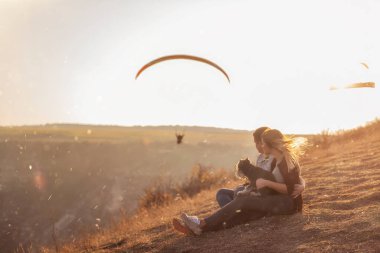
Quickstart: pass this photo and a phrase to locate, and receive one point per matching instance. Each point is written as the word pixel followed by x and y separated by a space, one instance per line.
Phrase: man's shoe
pixel 192 222
pixel 180 227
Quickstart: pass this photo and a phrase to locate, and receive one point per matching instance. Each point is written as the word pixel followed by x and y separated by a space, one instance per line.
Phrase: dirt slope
pixel 341 214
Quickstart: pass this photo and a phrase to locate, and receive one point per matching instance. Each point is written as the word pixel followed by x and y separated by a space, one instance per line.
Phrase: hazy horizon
pixel 180 127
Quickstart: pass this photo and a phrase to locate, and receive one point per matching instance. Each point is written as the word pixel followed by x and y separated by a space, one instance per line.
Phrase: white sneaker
pixel 194 219
pixel 180 227
pixel 192 222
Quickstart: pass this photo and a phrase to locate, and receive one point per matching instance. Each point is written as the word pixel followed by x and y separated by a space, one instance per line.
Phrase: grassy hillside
pixel 80 178
pixel 341 213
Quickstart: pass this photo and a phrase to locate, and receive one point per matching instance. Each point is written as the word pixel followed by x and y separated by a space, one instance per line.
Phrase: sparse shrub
pixel 326 138
pixel 369 128
pixel 162 192
pixel 323 140
pixel 201 178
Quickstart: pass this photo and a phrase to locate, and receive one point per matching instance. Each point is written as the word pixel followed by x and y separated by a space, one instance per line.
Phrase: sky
pixel 75 62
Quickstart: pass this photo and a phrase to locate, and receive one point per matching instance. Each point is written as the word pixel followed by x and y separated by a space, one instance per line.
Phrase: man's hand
pixel 261 183
pixel 298 189
pixel 245 191
pixel 242 193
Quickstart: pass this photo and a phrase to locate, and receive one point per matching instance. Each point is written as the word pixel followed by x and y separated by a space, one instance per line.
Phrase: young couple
pixel 278 155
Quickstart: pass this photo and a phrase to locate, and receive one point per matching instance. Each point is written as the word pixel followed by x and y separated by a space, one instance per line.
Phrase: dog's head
pixel 243 167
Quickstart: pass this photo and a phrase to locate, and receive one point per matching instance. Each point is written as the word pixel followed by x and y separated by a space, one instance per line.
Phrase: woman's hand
pixel 261 183
pixel 298 189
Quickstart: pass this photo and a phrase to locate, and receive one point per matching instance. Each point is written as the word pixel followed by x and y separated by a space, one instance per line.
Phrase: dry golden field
pixel 341 212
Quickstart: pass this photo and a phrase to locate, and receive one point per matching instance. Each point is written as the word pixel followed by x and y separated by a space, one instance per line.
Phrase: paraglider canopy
pixel 181 57
pixel 179 137
pixel 361 85
pixel 356 85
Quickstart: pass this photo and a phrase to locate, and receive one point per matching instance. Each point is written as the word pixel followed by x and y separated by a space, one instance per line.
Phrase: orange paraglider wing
pixel 181 56
pixel 361 85
pixel 355 86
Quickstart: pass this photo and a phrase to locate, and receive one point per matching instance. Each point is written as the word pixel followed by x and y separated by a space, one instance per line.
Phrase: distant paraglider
pixel 182 57
pixel 356 85
pixel 179 137
pixel 361 85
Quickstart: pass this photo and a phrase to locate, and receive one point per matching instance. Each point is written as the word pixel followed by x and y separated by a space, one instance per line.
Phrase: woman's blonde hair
pixel 291 148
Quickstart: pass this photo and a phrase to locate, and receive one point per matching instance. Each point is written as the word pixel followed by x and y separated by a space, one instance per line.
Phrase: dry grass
pixel 48 177
pixel 164 191
pixel 341 214
pixel 327 137
pixel 144 227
